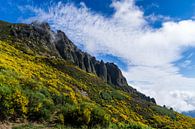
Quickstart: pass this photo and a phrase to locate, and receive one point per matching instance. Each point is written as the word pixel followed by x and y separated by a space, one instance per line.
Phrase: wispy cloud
pixel 149 52
pixel 186 63
pixel 154 18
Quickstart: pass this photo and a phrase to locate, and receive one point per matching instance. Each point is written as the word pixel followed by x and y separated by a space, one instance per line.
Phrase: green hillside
pixel 51 91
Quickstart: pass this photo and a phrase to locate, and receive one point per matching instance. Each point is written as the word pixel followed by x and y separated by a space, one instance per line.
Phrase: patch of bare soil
pixel 5 125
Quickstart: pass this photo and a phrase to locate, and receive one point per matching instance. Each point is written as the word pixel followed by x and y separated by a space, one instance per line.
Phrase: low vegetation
pixel 49 90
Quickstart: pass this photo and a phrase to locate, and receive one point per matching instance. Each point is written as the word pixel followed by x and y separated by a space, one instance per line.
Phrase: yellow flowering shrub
pixel 52 90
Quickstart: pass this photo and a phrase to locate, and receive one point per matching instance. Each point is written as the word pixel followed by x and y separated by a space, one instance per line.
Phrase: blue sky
pixel 152 41
pixel 178 9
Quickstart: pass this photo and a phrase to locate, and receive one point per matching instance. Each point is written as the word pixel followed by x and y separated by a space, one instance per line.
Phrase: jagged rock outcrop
pixel 107 71
pixel 39 39
pixel 115 75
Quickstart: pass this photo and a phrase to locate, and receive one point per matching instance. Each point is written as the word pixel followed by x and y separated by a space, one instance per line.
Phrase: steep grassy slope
pixel 49 89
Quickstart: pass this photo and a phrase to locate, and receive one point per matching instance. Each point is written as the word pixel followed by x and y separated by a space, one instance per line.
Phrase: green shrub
pixel 134 127
pixel 13 103
pixel 111 95
pixel 61 99
pixel 117 95
pixel 164 111
pixel 106 95
pixel 6 108
pixel 71 115
pixel 40 107
pixel 99 117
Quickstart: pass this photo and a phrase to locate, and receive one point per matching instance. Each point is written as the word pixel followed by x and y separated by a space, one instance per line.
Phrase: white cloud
pixel 149 52
pixel 154 18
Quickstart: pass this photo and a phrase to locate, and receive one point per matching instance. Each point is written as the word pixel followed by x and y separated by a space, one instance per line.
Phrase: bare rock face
pixel 115 75
pixel 107 71
pixel 38 38
pixel 101 70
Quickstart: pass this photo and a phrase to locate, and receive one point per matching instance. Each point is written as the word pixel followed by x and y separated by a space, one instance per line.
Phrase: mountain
pixel 58 45
pixel 189 113
pixel 46 79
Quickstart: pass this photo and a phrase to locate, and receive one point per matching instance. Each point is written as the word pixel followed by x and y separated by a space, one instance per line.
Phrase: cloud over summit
pixel 150 52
